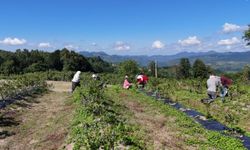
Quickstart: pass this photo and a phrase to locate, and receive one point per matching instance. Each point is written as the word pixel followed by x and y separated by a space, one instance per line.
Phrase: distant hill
pixel 227 61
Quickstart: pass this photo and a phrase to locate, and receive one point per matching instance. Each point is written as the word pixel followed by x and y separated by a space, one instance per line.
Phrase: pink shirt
pixel 126 84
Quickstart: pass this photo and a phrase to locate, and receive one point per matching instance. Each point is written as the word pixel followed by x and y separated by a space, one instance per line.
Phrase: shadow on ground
pixel 9 110
pixel 7 122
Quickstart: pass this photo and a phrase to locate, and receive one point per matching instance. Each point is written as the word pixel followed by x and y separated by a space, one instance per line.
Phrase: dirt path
pixel 38 123
pixel 154 124
pixel 159 128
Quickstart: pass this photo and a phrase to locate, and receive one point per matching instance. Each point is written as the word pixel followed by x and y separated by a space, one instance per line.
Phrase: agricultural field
pixel 136 121
pixel 124 75
pixel 234 112
pixel 109 117
pixel 21 85
pixel 35 113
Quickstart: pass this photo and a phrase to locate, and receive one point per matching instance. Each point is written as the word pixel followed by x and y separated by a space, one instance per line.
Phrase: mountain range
pixel 225 61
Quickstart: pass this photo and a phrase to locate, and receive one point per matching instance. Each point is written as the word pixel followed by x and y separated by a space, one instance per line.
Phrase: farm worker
pixel 95 77
pixel 126 83
pixel 76 80
pixel 212 84
pixel 225 82
pixel 145 79
pixel 142 79
pixel 139 79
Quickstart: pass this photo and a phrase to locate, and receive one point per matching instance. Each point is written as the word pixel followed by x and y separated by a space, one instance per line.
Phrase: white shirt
pixel 76 77
pixel 212 83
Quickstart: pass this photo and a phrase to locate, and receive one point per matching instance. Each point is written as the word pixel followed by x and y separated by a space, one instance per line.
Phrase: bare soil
pixel 157 126
pixel 38 122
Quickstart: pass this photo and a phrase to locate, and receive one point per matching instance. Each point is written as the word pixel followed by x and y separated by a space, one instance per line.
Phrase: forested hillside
pixel 23 61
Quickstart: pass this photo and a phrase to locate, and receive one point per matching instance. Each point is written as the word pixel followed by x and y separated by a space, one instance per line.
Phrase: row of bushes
pixel 188 131
pixel 22 84
pixel 234 111
pixel 97 122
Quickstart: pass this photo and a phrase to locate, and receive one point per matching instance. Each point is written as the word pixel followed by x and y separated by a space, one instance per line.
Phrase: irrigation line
pixel 200 118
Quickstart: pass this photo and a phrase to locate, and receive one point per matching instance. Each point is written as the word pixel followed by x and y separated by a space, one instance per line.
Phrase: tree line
pixel 182 70
pixel 24 61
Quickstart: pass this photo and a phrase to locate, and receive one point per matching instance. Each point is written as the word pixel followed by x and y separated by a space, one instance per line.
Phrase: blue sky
pixel 125 27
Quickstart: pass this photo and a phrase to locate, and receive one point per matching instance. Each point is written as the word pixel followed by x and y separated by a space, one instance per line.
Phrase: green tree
pixel 163 72
pixel 184 68
pixel 54 61
pixel 144 70
pixel 247 35
pixel 36 67
pixel 23 57
pixel 211 70
pixel 129 67
pixel 8 67
pixel 9 63
pixel 199 69
pixel 23 61
pixel 73 61
pixel 27 60
pixel 151 68
pixel 1 60
pixel 246 73
pixel 99 65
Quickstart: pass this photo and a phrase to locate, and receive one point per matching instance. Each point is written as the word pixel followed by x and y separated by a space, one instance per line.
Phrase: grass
pixel 185 133
pixel 98 124
pixel 41 122
pixel 234 112
pixel 219 110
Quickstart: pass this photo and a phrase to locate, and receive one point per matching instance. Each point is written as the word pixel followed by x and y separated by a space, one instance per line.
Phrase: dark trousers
pixel 74 85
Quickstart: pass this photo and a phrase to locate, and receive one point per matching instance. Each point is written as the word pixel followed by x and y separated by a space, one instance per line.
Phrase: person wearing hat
pixel 126 83
pixel 142 80
pixel 225 82
pixel 95 77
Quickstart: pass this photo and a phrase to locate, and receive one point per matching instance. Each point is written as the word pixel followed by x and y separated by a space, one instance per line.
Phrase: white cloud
pixel 13 41
pixel 192 40
pixel 44 45
pixel 93 44
pixel 120 46
pixel 71 47
pixel 158 45
pixel 232 41
pixel 228 28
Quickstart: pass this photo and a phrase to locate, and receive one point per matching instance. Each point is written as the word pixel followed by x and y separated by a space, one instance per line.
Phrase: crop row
pixel 234 112
pixel 97 123
pixel 21 85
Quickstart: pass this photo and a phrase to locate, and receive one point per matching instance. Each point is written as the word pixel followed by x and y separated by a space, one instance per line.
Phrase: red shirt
pixel 145 78
pixel 225 81
pixel 142 79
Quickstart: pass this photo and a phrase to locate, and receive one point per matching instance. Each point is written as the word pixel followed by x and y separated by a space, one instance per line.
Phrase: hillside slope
pixel 227 61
